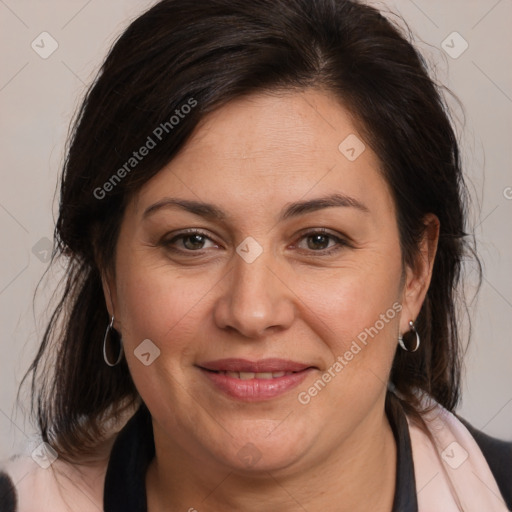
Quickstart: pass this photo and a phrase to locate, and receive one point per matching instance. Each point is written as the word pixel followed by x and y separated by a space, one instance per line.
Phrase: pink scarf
pixel 452 474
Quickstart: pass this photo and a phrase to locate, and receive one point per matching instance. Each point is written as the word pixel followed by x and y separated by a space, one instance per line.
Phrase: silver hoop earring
pixel 110 329
pixel 408 335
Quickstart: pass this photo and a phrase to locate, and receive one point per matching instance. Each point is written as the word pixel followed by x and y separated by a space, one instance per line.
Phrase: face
pixel 263 265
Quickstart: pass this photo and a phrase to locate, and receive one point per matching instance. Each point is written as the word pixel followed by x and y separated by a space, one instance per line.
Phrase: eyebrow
pixel 210 211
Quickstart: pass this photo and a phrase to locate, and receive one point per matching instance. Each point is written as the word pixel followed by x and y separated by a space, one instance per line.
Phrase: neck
pixel 358 475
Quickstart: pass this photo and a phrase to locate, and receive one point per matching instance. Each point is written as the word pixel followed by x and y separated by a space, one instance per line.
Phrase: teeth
pixel 255 375
pixel 263 375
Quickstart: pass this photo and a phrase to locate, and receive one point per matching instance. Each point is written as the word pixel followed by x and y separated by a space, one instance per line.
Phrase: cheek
pixel 350 301
pixel 359 325
pixel 157 304
pixel 357 314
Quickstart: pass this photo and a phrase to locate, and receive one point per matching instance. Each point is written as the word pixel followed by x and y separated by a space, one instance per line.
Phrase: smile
pixel 253 381
pixel 252 375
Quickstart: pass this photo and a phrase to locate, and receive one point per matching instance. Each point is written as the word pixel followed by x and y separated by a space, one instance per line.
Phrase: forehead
pixel 272 147
pixel 275 126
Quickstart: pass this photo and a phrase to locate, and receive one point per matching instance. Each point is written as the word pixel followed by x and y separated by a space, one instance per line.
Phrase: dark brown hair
pixel 212 51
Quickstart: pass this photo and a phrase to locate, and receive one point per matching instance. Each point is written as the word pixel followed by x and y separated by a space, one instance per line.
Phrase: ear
pixel 417 279
pixel 108 286
pixel 108 282
pixel 109 291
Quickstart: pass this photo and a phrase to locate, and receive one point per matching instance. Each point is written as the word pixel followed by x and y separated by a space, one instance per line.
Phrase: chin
pixel 263 453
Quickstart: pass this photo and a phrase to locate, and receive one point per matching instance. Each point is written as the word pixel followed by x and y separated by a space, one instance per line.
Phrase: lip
pixel 255 389
pixel 263 365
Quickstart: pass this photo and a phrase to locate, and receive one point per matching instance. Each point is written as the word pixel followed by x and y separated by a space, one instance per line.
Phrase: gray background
pixel 38 97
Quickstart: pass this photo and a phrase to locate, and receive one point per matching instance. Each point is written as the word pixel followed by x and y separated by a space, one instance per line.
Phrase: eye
pixel 321 241
pixel 318 241
pixel 190 241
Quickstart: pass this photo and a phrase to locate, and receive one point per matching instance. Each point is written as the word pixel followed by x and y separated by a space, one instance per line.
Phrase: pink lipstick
pixel 254 381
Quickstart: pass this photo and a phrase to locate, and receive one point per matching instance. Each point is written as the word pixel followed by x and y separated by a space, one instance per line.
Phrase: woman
pixel 263 212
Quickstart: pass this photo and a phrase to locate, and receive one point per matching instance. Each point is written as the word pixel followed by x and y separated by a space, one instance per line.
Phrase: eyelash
pixel 341 242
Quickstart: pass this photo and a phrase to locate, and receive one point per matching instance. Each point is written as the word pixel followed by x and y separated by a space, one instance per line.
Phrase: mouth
pixel 253 375
pixel 265 366
pixel 253 381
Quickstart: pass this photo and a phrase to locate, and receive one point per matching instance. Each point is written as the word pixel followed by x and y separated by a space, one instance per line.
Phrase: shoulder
pixel 27 486
pixel 473 468
pixel 498 454
pixel 39 480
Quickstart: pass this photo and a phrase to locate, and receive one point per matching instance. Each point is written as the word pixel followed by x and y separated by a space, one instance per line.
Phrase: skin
pixel 252 158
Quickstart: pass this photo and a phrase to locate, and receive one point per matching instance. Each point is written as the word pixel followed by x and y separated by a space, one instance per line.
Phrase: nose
pixel 256 298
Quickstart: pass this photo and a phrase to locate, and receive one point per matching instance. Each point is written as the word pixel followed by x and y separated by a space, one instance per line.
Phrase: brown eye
pixel 190 241
pixel 321 242
pixel 193 242
pixel 318 241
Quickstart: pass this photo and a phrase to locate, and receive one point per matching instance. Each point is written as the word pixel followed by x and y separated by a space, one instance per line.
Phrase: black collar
pixel 134 448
